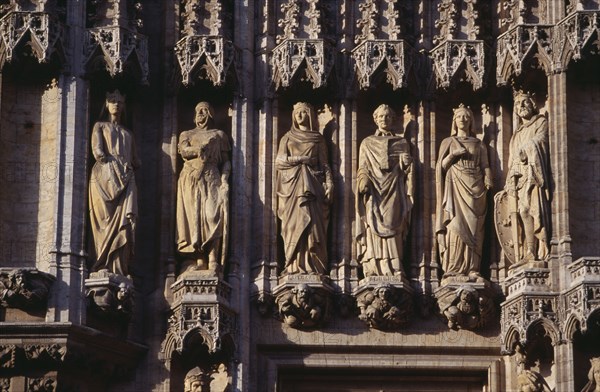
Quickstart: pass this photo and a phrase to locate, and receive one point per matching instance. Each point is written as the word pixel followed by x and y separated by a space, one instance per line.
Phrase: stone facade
pixel 276 287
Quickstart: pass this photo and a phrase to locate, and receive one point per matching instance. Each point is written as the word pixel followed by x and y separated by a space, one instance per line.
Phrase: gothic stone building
pixel 148 243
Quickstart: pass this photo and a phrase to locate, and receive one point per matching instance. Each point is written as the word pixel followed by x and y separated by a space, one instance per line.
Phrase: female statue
pixel 304 191
pixel 463 178
pixel 384 197
pixel 203 192
pixel 112 192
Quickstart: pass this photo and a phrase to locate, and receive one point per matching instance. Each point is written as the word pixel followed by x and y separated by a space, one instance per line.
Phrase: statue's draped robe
pixel 533 175
pixel 384 210
pixel 113 197
pixel 302 204
pixel 461 205
pixel 202 206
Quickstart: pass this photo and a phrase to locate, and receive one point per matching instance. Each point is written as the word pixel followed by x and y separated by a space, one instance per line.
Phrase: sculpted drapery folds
pixel 384 197
pixel 112 190
pixel 203 192
pixel 524 205
pixel 304 191
pixel 463 178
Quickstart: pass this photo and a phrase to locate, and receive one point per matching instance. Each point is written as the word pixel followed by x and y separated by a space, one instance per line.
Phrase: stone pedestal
pixel 467 305
pixel 385 302
pixel 303 301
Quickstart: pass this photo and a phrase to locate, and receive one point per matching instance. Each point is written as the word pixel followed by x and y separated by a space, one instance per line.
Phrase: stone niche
pixel 28 167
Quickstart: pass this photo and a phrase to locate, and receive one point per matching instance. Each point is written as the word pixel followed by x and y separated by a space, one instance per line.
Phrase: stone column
pixel 69 261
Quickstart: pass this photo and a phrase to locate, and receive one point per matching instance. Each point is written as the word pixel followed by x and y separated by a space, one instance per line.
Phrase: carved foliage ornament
pixel 41 32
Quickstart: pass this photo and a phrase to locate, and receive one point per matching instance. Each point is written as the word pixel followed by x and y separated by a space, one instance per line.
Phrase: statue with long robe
pixel 384 197
pixel 203 193
pixel 463 178
pixel 524 205
pixel 304 191
pixel 112 191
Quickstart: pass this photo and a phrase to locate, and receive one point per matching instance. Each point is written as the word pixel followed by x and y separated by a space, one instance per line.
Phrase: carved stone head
pixel 204 115
pixel 463 119
pixel 193 380
pixel 525 106
pixel 304 114
pixel 384 116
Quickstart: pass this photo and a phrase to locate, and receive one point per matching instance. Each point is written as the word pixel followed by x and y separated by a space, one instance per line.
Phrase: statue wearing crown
pixel 463 178
pixel 522 209
pixel 112 190
pixel 304 192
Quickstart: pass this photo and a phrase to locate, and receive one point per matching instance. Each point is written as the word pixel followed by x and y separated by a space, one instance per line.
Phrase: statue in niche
pixel 384 197
pixel 593 384
pixel 463 178
pixel 468 310
pixel 301 307
pixel 304 193
pixel 528 379
pixel 113 192
pixel 203 193
pixel 523 208
pixel 383 308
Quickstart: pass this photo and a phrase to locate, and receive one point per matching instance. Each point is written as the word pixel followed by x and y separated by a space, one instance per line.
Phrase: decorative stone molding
pixel 583 297
pixel 395 57
pixel 24 288
pixel 521 45
pixel 468 305
pixel 576 33
pixel 4 384
pixel 40 32
pixel 290 21
pixel 385 302
pixel 211 55
pixel 303 301
pixel 42 384
pixel 449 20
pixel 110 295
pixel 201 310
pixel 313 56
pixel 459 60
pixel 113 43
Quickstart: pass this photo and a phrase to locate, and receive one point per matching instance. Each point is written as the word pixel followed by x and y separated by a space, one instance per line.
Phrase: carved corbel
pixel 24 288
pixel 303 301
pixel 385 302
pixel 468 305
pixel 201 316
pixel 39 30
pixel 110 295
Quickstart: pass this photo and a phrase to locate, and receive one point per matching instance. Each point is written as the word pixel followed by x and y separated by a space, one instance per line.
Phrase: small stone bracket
pixel 201 313
pixel 40 31
pixel 467 305
pixel 303 301
pixel 385 302
pixel 110 295
pixel 394 57
pixel 115 48
pixel 292 56
pixel 457 60
pixel 24 288
pixel 208 57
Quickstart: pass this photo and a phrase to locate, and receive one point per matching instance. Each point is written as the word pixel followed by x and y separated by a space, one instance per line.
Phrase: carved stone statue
pixel 113 192
pixel 523 209
pixel 203 192
pixel 301 307
pixel 463 178
pixel 468 310
pixel 304 191
pixel 384 197
pixel 20 289
pixel 194 380
pixel 593 384
pixel 383 308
